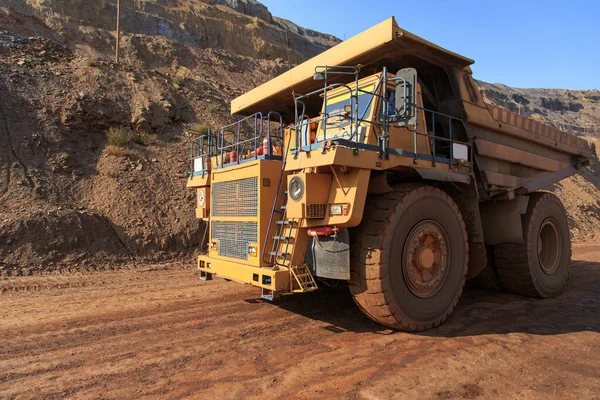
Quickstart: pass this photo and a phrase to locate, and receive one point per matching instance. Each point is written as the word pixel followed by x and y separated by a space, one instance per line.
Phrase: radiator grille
pixel 234 237
pixel 235 198
pixel 316 211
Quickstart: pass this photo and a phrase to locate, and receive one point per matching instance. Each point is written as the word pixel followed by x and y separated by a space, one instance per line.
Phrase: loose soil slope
pixel 67 199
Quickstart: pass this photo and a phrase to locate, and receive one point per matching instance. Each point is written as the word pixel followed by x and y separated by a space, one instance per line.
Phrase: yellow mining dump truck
pixel 377 163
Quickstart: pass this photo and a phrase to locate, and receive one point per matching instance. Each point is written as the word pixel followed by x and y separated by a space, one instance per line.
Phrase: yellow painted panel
pixel 316 189
pixel 198 181
pixel 366 159
pixel 245 273
pixel 241 171
pixel 349 188
pixel 202 213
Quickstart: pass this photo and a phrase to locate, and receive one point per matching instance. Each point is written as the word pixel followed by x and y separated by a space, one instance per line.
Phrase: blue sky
pixel 541 44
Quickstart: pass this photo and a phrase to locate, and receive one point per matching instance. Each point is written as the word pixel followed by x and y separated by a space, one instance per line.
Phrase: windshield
pixel 338 118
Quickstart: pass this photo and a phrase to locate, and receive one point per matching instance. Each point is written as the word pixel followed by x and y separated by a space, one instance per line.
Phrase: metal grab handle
pixel 203 147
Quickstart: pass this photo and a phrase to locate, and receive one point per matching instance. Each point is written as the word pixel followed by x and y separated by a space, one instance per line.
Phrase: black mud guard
pixel 501 220
pixel 329 256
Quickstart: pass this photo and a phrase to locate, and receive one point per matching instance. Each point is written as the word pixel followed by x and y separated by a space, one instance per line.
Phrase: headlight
pixel 201 197
pixel 296 188
pixel 335 209
pixel 339 209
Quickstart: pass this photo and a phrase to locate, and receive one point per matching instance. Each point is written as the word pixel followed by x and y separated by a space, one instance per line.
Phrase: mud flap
pixel 329 257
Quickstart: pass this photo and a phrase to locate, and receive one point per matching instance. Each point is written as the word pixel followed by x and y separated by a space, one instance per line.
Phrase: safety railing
pixel 447 120
pixel 256 136
pixel 352 115
pixel 407 111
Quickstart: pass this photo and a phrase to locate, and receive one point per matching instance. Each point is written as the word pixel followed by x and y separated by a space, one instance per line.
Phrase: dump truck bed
pixel 382 45
pixel 514 152
pixel 511 152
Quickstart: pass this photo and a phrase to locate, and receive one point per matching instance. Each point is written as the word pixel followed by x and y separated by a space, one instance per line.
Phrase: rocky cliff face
pixel 244 27
pixel 574 111
pixel 248 7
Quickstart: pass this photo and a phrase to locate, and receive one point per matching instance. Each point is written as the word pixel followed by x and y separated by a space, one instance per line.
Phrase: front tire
pixel 409 258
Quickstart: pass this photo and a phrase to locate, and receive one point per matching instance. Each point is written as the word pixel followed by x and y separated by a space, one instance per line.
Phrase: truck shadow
pixel 479 312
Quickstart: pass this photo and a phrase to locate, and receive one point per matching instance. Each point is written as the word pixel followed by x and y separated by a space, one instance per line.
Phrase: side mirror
pixel 406 97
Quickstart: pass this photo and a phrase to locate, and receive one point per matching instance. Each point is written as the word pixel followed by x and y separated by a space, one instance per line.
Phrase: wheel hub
pixel 426 259
pixel 549 248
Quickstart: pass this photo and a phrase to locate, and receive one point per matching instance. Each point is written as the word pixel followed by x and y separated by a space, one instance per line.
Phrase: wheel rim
pixel 425 264
pixel 549 249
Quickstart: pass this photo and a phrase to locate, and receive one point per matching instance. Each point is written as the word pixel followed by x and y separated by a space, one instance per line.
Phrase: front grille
pixel 235 198
pixel 234 237
pixel 316 211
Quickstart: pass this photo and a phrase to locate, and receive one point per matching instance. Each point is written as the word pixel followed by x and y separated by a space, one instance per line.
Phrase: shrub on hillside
pixel 178 80
pixel 119 137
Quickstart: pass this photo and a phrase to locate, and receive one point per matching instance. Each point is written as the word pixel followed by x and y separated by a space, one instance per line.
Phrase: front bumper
pixel 266 278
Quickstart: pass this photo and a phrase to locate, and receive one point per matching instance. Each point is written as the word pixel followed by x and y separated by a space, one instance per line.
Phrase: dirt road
pixel 159 332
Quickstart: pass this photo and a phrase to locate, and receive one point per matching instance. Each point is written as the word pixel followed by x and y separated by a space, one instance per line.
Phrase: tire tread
pixel 513 261
pixel 370 289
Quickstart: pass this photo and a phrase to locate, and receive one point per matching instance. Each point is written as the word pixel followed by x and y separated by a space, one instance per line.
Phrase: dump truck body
pixel 388 45
pixel 386 124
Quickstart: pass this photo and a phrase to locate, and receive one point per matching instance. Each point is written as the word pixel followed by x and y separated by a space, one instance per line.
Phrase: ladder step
pixel 283 207
pixel 269 295
pixel 278 254
pixel 282 237
pixel 284 222
pixel 304 279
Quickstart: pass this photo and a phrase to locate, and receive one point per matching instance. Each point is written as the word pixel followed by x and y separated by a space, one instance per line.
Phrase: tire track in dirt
pixel 162 333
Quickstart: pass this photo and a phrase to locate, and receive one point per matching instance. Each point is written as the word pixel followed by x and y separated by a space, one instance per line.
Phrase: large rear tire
pixel 409 258
pixel 540 266
pixel 488 277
